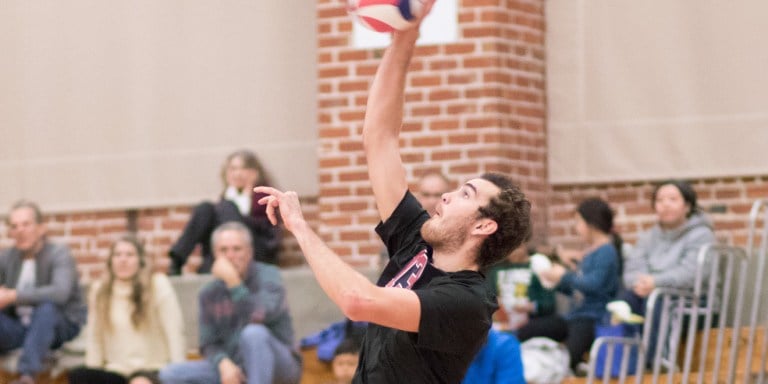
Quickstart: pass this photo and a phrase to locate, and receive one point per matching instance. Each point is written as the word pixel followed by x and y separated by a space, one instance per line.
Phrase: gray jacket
pixel 56 280
pixel 669 255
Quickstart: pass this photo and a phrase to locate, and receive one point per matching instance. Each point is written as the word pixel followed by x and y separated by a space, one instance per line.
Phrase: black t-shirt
pixel 456 311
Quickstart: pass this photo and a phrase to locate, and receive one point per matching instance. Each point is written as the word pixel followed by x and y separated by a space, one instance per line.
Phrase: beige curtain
pixel 108 104
pixel 643 90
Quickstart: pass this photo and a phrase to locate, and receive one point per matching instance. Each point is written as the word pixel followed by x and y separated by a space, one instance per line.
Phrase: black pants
pixel 85 375
pixel 553 327
pixel 581 335
pixel 205 218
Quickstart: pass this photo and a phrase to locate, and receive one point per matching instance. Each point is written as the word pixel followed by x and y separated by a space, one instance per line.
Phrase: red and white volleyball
pixel 385 15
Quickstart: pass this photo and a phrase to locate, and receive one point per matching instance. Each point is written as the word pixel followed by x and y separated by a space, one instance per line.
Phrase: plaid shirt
pixel 224 312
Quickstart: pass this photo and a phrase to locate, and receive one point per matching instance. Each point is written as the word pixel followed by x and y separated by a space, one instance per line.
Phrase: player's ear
pixel 484 227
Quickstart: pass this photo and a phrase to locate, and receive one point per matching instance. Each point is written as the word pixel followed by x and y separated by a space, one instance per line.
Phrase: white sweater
pixel 125 349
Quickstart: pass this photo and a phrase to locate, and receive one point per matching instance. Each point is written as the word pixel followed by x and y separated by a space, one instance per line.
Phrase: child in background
pixel 345 360
pixel 520 293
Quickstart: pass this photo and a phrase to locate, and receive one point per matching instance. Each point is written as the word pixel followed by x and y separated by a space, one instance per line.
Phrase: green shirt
pixel 510 279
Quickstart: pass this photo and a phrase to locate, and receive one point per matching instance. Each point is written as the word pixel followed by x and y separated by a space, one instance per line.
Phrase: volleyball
pixel 385 15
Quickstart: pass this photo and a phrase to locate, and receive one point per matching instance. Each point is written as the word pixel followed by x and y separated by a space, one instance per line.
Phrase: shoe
pixel 582 369
pixel 174 268
pixel 24 379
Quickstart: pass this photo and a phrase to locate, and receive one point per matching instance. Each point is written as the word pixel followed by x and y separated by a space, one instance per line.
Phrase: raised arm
pixel 383 119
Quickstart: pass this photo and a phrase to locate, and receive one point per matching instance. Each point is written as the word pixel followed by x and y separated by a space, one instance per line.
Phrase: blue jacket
pixel 499 362
pixel 598 281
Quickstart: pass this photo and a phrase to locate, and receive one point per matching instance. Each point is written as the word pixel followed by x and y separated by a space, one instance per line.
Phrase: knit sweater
pixel 124 348
pixel 224 312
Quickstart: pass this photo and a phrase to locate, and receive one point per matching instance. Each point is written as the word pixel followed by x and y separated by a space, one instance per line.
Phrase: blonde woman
pixel 135 326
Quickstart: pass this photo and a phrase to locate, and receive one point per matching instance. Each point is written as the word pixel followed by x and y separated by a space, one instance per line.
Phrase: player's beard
pixel 445 236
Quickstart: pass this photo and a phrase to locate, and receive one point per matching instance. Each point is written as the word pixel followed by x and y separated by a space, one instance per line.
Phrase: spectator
pixel 499 362
pixel 135 326
pixel 596 278
pixel 40 299
pixel 521 295
pixel 241 172
pixel 245 328
pixel 345 360
pixel 432 185
pixel 665 255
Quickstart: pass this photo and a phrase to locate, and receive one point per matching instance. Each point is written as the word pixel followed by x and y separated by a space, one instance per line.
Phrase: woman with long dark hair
pixel 135 326
pixel 596 278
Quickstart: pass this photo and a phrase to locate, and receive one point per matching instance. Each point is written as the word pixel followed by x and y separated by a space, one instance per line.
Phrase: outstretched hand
pixel 288 204
pixel 426 7
pixel 416 23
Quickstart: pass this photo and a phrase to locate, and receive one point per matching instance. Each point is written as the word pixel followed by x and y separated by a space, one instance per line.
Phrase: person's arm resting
pixel 62 282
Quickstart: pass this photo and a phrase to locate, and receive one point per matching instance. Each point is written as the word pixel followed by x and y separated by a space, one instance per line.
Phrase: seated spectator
pixel 665 255
pixel 246 333
pixel 432 185
pixel 345 360
pixel 135 326
pixel 520 293
pixel 41 305
pixel 241 172
pixel 596 278
pixel 498 362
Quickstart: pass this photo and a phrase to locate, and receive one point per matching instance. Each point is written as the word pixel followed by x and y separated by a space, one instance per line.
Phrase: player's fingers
pixel 268 190
pixel 271 204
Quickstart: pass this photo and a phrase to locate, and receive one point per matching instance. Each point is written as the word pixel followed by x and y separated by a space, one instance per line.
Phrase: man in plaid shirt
pixel 246 334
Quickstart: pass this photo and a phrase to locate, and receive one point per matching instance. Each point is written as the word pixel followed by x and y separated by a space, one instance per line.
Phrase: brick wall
pixel 472 106
pixel 727 202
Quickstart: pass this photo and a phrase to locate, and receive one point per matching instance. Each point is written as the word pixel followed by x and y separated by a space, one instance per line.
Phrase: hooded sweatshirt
pixel 669 255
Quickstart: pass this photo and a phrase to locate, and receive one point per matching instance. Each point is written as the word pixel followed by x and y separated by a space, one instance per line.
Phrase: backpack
pixel 545 361
pixel 329 338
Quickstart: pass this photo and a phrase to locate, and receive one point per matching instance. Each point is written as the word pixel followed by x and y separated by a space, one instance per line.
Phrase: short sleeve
pixel 403 228
pixel 454 318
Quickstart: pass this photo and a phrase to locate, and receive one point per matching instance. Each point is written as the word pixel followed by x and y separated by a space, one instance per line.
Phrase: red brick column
pixel 472 106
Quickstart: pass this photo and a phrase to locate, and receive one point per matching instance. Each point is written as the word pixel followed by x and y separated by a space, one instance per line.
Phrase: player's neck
pixel 454 261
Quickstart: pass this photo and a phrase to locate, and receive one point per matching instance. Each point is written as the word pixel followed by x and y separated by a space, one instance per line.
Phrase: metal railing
pixel 722 272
